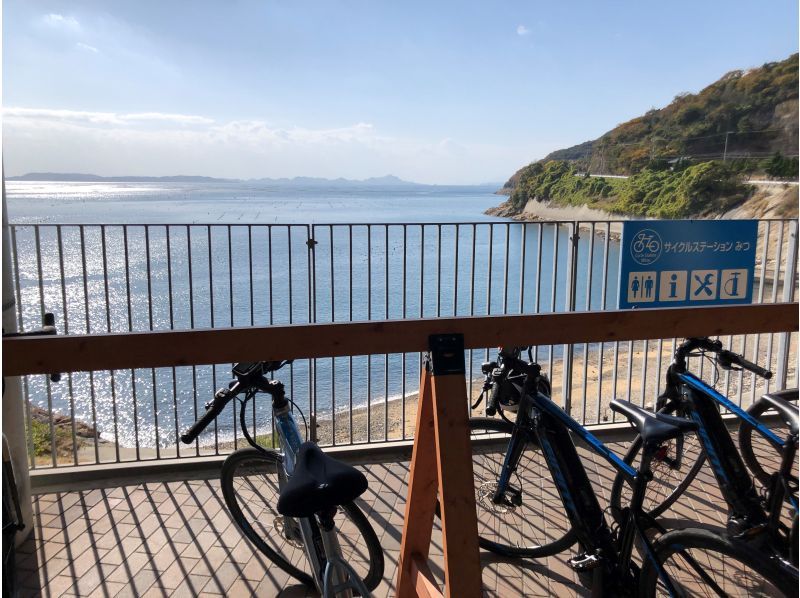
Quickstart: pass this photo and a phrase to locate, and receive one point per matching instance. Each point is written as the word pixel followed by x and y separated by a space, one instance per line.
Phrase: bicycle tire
pixel 746 443
pixel 694 458
pixel 555 533
pixel 263 518
pixel 721 555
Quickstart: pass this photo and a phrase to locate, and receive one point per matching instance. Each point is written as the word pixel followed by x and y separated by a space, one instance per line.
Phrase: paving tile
pixel 176 539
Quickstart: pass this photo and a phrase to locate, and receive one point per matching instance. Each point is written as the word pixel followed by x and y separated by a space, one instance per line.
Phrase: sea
pixel 114 257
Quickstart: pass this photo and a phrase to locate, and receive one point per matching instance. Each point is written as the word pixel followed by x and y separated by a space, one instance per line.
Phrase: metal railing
pixel 116 278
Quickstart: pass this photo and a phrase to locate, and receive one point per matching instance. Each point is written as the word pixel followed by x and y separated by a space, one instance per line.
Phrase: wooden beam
pixel 425 585
pixel 423 484
pixel 41 355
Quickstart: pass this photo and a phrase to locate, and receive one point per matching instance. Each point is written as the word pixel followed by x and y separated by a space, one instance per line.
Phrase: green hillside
pixel 686 158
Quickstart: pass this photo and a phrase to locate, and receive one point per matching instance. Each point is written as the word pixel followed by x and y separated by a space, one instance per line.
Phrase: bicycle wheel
pixel 668 482
pixel 251 482
pixel 760 456
pixel 702 563
pixel 538 526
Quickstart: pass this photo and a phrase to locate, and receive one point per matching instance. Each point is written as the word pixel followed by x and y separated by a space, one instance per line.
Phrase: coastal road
pixel 751 181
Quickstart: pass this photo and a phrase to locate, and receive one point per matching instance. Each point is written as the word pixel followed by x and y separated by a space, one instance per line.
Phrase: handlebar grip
pixel 755 368
pixel 494 399
pixel 221 399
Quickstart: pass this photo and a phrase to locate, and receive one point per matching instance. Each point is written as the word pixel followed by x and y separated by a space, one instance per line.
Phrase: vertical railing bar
pixel 151 326
pixel 88 331
pixel 350 319
pixel 490 249
pixel 603 294
pixel 421 288
pixel 134 395
pixel 472 299
pixel 212 320
pixel 589 280
pixel 774 299
pixel 524 233
pixel 42 309
pixel 538 302
pixel 62 275
pixel 104 254
pixel 271 313
pixel 761 285
pixel 556 230
pixel 172 327
pixel 369 317
pixel 455 270
pixel 311 286
pixel 789 278
pixel 568 351
pixel 333 359
pixel 289 302
pixel 403 358
pixel 761 299
pixel 438 270
pixel 386 355
pixel 191 324
pixel 505 269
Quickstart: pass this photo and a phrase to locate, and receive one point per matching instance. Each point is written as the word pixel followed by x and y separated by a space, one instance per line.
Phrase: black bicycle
pixel 675 476
pixel 535 498
pixel 287 502
pixel 676 464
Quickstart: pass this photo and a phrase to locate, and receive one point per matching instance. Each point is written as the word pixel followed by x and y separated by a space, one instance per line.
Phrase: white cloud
pixel 61 22
pixel 88 48
pixel 155 143
pixel 68 117
pixel 522 30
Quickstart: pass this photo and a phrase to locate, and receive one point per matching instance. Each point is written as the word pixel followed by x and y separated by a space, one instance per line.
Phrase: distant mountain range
pixel 384 181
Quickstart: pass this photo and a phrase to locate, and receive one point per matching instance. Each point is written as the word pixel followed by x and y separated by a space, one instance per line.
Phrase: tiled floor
pixel 177 539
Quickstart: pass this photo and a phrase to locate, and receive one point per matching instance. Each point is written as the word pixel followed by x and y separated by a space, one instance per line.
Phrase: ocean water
pixel 178 256
pixel 242 203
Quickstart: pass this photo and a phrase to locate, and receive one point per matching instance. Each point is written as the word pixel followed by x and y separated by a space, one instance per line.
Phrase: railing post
pixel 788 296
pixel 311 243
pixel 13 412
pixel 572 282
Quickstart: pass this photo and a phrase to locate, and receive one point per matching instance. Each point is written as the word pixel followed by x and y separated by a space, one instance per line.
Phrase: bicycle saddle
pixel 653 427
pixel 788 412
pixel 318 483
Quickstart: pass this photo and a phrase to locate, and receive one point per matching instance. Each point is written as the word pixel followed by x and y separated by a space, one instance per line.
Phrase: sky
pixel 443 92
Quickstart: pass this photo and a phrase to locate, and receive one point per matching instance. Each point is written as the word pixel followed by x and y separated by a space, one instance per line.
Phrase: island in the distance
pixel 384 181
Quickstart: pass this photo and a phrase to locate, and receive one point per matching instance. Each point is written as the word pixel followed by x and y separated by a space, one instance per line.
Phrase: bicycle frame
pixel 320 540
pixel 748 515
pixel 539 417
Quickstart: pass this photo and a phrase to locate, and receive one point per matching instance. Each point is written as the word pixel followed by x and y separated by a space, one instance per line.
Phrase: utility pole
pixel 725 151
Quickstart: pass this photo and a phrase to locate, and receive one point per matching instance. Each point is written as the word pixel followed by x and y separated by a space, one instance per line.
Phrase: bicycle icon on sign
pixel 646 247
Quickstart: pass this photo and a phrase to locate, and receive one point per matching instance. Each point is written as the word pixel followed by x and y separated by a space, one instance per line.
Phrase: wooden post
pixel 441 461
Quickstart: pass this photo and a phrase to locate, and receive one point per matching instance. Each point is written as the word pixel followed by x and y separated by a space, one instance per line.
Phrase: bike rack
pixel 441 463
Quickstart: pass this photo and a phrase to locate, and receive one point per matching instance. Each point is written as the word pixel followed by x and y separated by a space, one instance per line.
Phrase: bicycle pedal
pixel 585 562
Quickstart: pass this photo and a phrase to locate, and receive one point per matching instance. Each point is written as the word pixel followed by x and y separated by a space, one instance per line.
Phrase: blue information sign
pixel 673 263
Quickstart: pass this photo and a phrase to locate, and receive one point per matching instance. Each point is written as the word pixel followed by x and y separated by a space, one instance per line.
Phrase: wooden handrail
pixel 41 355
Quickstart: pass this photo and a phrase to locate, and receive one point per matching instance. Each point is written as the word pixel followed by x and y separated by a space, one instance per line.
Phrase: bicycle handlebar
pixel 725 358
pixel 221 399
pixel 248 375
